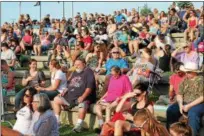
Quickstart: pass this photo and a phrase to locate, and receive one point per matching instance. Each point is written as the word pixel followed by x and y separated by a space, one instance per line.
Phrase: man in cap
pixel 190 98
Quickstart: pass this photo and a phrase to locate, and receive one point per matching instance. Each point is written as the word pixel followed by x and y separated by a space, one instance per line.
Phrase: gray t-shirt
pixel 40 76
pixel 141 71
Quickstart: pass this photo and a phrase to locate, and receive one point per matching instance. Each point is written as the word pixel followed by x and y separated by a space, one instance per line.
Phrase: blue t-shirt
pixel 119 18
pixel 112 62
pixel 124 38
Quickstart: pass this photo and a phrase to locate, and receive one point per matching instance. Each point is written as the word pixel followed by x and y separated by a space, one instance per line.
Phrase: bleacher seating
pixel 69 117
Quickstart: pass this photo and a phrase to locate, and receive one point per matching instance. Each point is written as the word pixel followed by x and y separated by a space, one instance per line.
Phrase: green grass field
pixel 65 130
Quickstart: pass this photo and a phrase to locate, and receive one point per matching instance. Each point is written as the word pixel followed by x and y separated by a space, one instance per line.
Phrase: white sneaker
pixel 78 128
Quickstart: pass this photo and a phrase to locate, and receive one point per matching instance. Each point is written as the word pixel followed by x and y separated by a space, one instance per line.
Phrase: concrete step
pixel 178 40
pixel 40 58
pixel 91 121
pixel 20 73
pixel 173 35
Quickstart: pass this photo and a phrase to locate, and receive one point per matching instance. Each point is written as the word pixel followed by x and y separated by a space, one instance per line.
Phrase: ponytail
pixel 182 128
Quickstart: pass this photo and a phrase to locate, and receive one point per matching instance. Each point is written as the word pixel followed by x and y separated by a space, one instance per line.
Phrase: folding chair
pixel 154 78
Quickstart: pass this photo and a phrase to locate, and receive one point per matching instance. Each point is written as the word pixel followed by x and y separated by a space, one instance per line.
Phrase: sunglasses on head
pixel 142 125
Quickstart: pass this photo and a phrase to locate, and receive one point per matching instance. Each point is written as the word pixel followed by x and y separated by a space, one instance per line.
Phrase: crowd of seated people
pixel 95 49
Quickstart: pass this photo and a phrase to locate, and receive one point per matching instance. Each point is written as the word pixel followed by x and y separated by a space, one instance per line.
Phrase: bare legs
pixel 120 127
pixel 37 49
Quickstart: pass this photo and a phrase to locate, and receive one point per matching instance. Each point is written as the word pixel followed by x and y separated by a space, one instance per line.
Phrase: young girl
pixel 180 129
pixel 145 121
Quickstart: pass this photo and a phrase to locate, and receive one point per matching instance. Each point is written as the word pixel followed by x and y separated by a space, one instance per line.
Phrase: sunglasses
pixel 142 125
pixel 137 94
pixel 185 47
pixel 115 52
pixel 35 101
pixel 27 96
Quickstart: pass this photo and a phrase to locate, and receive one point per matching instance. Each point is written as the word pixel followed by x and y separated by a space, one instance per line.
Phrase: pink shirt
pixel 175 81
pixel 27 39
pixel 118 87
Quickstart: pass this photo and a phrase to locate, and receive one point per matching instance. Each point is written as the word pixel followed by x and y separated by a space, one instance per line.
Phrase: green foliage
pixel 145 10
pixel 184 4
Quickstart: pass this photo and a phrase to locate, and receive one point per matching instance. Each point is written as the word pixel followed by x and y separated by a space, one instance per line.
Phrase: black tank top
pixel 134 108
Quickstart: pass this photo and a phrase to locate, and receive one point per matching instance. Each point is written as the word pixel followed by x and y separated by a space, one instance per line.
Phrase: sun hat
pixel 190 67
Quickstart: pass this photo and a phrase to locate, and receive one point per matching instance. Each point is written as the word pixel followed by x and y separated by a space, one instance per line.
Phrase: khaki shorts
pixel 84 104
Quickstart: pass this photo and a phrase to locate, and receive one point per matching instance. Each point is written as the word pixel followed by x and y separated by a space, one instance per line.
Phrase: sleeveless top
pixel 134 108
pixel 192 23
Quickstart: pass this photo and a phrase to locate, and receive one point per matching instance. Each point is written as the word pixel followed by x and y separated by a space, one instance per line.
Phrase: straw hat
pixel 190 67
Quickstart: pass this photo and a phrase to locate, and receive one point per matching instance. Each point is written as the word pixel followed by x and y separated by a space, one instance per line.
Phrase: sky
pixel 10 10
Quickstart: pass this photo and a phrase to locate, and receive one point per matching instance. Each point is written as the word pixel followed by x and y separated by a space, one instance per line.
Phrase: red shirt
pixel 87 40
pixel 27 39
pixel 175 81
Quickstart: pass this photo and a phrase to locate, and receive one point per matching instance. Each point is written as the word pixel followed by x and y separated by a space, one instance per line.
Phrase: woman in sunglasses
pixel 24 115
pixel 122 120
pixel 129 108
pixel 192 23
pixel 145 121
pixel 185 54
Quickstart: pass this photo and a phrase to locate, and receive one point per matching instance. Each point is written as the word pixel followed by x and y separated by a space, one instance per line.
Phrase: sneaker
pixel 78 128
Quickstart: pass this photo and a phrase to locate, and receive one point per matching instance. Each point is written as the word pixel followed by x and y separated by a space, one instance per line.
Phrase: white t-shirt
pixel 61 76
pixel 24 118
pixel 129 19
pixel 167 41
pixel 35 118
pixel 8 55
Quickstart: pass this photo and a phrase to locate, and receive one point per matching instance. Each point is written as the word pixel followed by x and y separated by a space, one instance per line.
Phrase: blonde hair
pixel 153 125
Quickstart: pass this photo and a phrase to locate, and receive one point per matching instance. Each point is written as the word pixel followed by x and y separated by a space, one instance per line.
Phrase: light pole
pixel 19 8
pixel 40 10
pixel 63 10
